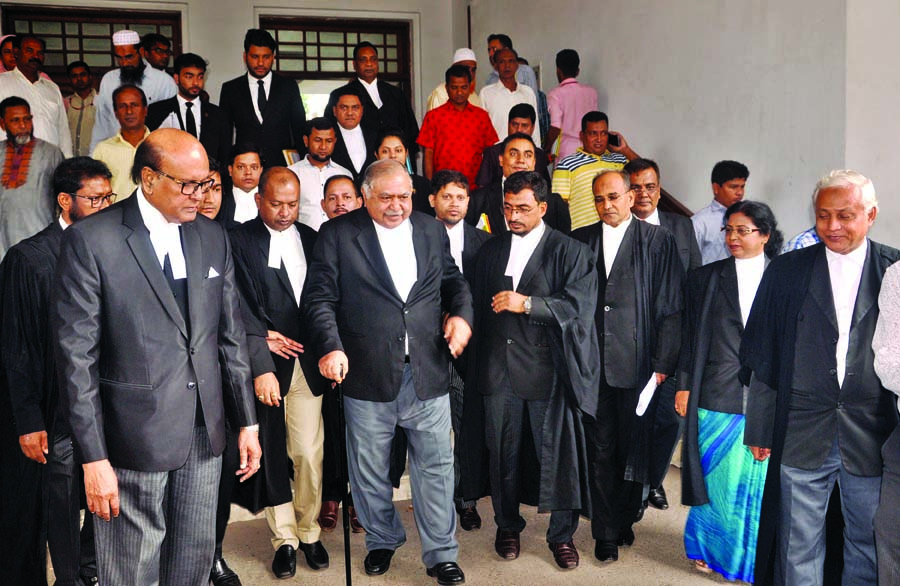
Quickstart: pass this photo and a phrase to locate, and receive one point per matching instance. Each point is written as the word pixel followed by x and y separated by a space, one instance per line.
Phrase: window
pixel 85 34
pixel 318 53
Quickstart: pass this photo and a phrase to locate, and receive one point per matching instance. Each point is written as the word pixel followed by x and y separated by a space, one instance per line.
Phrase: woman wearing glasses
pixel 721 480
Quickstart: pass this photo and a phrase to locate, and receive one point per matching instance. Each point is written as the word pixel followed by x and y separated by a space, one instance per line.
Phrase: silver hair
pixel 848 178
pixel 381 169
pixel 625 177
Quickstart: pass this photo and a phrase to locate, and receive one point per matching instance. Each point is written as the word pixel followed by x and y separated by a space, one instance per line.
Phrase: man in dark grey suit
pixel 380 280
pixel 147 323
pixel 816 405
pixel 646 187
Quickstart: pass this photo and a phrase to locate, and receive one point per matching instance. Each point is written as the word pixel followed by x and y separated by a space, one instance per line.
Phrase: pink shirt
pixel 568 103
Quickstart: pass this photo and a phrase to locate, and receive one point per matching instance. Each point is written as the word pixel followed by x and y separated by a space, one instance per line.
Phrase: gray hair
pixel 625 177
pixel 848 178
pixel 380 170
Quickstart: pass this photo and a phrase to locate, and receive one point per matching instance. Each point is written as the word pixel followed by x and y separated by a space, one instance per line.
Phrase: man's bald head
pixel 172 169
pixel 278 198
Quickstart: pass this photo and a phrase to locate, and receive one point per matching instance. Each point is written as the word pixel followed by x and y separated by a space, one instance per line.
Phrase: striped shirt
pixel 572 180
pixel 801 240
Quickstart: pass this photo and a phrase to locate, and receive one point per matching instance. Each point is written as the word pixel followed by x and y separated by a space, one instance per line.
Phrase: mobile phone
pixel 613 140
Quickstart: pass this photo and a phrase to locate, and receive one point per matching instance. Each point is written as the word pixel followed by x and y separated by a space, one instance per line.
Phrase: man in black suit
pixel 264 108
pixel 272 253
pixel 381 279
pixel 638 321
pixel 646 187
pixel 816 405
pixel 45 462
pixel 517 154
pixel 535 289
pixel 354 147
pixel 521 119
pixel 384 104
pixel 147 323
pixel 190 113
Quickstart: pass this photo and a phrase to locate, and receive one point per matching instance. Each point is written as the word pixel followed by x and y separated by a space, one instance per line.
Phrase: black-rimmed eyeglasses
pixel 189 187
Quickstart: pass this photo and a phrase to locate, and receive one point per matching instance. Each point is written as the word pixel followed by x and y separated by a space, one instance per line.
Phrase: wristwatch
pixel 527 305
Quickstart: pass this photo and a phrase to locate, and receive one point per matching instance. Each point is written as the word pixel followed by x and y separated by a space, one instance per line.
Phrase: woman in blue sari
pixel 720 479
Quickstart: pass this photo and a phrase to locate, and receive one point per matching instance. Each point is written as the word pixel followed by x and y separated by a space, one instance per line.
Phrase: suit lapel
pixel 728 285
pixel 869 286
pixel 420 246
pixel 535 262
pixel 624 252
pixel 264 240
pixel 820 288
pixel 368 242
pixel 140 246
pixel 245 97
pixel 193 257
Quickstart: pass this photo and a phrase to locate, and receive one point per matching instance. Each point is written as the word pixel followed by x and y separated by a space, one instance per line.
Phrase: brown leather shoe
pixel 469 518
pixel 565 555
pixel 355 525
pixel 506 544
pixel 328 516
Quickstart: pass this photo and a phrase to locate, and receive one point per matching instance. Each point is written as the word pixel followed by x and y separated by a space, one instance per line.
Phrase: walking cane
pixel 345 480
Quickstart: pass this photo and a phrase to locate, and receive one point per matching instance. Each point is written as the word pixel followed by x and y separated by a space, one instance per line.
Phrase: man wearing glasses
pixel 43 456
pixel 147 325
pixel 118 151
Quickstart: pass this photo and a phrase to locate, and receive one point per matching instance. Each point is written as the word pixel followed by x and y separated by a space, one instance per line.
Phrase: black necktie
pixel 189 123
pixel 261 97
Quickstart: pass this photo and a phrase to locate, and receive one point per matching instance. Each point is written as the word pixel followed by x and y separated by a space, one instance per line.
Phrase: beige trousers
pixel 291 523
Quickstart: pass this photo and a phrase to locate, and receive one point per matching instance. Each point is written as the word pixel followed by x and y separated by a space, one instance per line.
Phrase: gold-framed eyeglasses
pixel 740 230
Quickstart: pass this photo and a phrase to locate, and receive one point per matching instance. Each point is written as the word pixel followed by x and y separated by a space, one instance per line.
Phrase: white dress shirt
pixel 356 146
pixel 164 236
pixel 457 235
pixel 653 218
pixel 612 239
pixel 173 121
pixel 312 183
pixel 286 247
pixel 749 274
pixel 845 272
pixel 400 256
pixel 244 204
pixel 254 91
pixel 520 251
pixel 372 89
pixel 50 121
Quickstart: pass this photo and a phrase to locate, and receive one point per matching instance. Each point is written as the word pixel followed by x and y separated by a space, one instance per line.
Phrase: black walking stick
pixel 345 480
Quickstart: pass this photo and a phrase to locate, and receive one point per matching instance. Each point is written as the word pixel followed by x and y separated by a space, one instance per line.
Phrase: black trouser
pixel 667 428
pixel 615 501
pixel 230 463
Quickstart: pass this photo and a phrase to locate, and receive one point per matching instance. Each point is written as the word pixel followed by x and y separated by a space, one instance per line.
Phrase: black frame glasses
pixel 97 200
pixel 201 186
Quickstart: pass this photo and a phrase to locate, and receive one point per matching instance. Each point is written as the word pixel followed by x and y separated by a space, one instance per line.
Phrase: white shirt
pixel 286 247
pixel 312 183
pixel 173 121
pixel 164 236
pixel 653 218
pixel 62 223
pixel 845 272
pixel 244 204
pixel 254 91
pixel 498 101
pixel 356 146
pixel 50 121
pixel 520 251
pixel 457 234
pixel 400 256
pixel 749 274
pixel 612 239
pixel 372 89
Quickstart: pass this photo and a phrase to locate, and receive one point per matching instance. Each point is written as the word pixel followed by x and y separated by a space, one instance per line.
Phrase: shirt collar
pixel 653 218
pixel 62 222
pixel 532 236
pixel 266 80
pixel 620 228
pixel 182 101
pixel 857 257
pixel 456 230
pixel 756 263
pixel 568 81
pixel 153 218
pixel 382 231
pixel 374 83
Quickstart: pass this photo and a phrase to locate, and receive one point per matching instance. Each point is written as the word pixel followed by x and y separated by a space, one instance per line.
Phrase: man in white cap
pixel 466 58
pixel 133 70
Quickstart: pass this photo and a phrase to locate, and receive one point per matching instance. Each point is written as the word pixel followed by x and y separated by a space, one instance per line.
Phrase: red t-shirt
pixel 458 138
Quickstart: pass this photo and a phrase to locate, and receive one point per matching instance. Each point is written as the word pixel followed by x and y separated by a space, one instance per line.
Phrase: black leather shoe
pixel 222 575
pixel 447 573
pixel 378 561
pixel 506 544
pixel 284 565
pixel 640 512
pixel 469 518
pixel 657 498
pixel 606 551
pixel 328 516
pixel 565 555
pixel 316 556
pixel 626 537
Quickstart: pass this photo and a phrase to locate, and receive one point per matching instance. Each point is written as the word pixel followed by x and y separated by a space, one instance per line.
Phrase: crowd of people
pixel 183 285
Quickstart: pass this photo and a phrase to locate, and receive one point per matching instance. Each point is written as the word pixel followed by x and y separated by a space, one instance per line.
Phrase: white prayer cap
pixel 126 37
pixel 464 54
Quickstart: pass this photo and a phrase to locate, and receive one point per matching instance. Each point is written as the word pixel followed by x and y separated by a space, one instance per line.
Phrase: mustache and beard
pixel 20 139
pixel 132 74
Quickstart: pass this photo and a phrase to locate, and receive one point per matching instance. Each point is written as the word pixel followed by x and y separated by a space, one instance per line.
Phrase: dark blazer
pixel 490 170
pixel 215 129
pixel 284 120
pixel 226 211
pixel 396 110
pixel 352 305
pixel 473 239
pixel 489 200
pixel 341 156
pixel 130 366
pixel 683 231
pixel 861 413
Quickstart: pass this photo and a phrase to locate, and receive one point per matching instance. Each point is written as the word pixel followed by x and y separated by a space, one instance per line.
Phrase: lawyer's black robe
pixel 557 478
pixel 28 400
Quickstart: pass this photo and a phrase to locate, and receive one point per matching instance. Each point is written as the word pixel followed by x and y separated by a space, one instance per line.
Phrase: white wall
pixel 691 83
